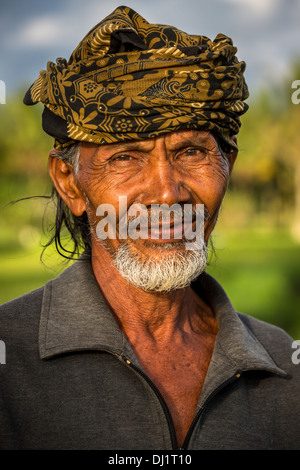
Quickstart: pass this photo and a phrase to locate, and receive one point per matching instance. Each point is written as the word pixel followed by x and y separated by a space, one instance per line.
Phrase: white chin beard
pixel 175 270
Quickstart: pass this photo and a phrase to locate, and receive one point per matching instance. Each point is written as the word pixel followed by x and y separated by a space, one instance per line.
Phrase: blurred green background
pixel 257 239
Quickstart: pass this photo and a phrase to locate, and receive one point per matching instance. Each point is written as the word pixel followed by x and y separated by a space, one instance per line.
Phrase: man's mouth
pixel 165 232
pixel 176 230
pixel 159 226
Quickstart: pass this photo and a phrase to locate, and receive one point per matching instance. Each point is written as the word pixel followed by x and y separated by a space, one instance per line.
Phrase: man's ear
pixel 63 178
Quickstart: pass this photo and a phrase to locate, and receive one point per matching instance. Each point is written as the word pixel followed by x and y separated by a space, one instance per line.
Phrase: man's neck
pixel 172 335
pixel 155 315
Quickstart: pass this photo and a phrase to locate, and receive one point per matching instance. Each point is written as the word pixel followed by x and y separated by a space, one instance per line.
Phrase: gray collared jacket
pixel 71 380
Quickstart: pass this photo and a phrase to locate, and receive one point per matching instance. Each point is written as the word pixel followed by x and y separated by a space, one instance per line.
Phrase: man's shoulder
pixel 30 300
pixel 21 314
pixel 276 341
pixel 263 330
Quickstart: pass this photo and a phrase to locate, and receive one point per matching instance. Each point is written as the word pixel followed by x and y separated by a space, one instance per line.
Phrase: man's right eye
pixel 121 158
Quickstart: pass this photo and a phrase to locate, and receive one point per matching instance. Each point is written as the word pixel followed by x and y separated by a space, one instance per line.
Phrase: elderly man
pixel 134 346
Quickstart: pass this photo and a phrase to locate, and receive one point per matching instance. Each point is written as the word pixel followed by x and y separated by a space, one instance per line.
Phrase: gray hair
pixel 70 154
pixel 77 226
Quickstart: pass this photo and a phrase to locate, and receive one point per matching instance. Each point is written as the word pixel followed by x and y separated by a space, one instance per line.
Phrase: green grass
pixel 261 274
pixel 22 271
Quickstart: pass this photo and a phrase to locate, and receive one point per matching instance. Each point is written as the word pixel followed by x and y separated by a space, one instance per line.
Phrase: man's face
pixel 182 167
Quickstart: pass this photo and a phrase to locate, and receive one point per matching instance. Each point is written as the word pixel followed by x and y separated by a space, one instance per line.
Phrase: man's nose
pixel 165 185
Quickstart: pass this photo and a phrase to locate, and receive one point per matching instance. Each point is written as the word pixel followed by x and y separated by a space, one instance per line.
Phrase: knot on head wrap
pixel 131 80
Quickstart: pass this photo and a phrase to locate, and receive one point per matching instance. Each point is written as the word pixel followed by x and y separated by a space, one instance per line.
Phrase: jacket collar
pixel 236 347
pixel 76 317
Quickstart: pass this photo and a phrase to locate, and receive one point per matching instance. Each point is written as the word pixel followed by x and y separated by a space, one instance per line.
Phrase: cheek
pixel 98 188
pixel 101 189
pixel 218 181
pixel 102 186
pixel 212 182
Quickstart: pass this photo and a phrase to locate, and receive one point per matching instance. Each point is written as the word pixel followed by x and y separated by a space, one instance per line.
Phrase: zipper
pixel 166 410
pixel 199 413
pixel 161 400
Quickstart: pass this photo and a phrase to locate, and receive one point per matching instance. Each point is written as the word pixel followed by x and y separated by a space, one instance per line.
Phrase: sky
pixel 266 32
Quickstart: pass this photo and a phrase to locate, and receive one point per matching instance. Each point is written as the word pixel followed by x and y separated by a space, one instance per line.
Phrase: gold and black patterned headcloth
pixel 131 80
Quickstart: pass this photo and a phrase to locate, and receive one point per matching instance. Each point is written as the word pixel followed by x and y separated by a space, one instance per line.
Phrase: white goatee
pixel 174 270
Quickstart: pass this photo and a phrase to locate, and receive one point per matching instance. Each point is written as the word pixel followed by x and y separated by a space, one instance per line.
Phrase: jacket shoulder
pixel 31 299
pixel 274 339
pixel 21 315
pixel 263 329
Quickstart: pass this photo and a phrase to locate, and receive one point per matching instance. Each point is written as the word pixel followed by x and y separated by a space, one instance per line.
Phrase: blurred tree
pixel 268 169
pixel 21 137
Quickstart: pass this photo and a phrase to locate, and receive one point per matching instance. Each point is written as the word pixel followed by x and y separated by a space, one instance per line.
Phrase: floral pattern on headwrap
pixel 131 80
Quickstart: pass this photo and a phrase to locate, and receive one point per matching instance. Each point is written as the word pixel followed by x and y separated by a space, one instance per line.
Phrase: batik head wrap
pixel 131 80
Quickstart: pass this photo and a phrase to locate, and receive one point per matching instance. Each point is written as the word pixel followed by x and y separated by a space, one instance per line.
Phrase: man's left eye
pixel 123 158
pixel 197 152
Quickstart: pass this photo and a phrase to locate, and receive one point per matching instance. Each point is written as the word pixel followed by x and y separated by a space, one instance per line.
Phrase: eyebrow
pixel 131 145
pixel 127 146
pixel 191 142
pixel 195 141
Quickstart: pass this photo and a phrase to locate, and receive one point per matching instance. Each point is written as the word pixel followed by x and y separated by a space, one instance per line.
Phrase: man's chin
pixel 162 267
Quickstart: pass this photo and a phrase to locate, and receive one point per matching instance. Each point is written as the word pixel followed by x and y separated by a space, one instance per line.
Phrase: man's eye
pixel 121 158
pixel 195 152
